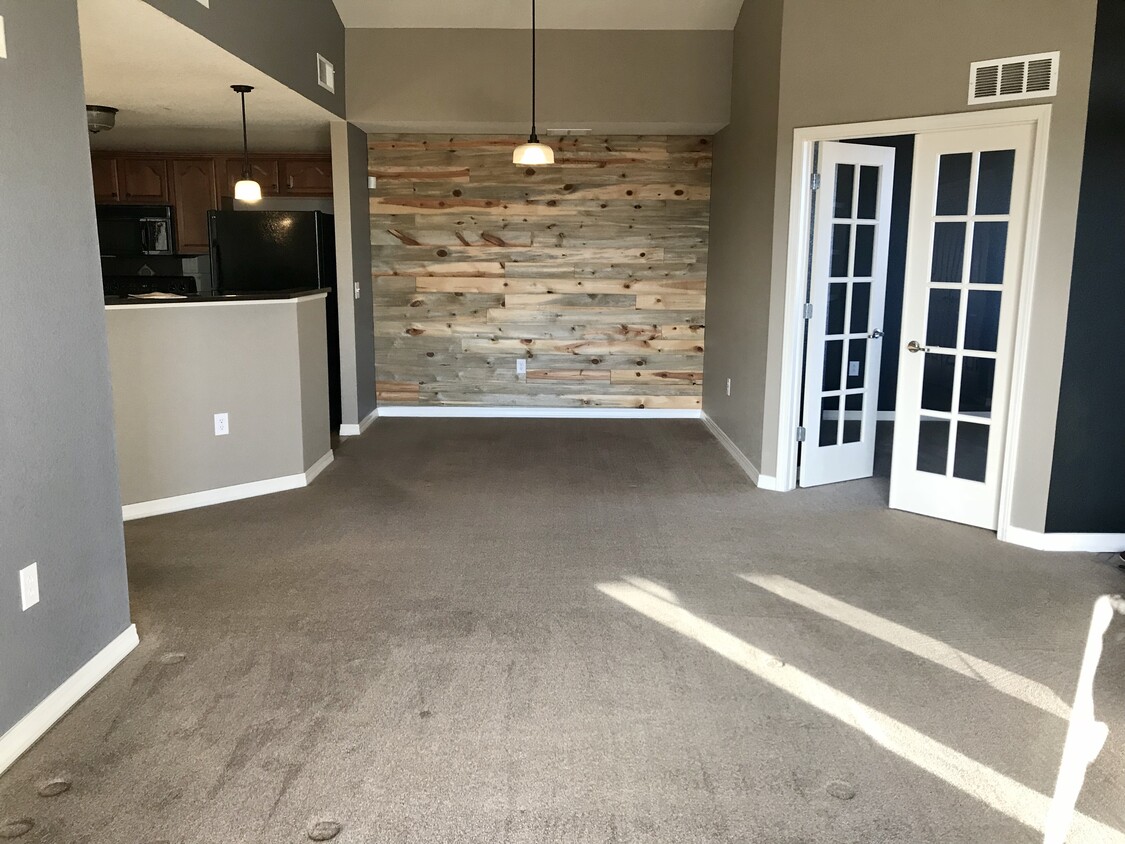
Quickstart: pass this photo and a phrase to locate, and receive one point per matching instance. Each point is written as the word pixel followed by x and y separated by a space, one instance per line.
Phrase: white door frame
pixel 792 356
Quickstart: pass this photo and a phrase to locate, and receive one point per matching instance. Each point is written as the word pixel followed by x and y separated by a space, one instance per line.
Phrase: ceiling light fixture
pixel 100 118
pixel 533 152
pixel 246 189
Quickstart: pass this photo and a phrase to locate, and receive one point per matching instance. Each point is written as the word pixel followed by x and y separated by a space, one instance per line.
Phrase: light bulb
pixel 247 190
pixel 533 154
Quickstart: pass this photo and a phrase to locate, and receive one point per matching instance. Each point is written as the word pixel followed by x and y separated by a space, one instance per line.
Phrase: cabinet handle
pixel 291 183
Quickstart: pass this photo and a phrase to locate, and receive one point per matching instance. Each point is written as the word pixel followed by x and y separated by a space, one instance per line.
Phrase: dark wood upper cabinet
pixel 105 180
pixel 264 171
pixel 145 180
pixel 195 191
pixel 306 177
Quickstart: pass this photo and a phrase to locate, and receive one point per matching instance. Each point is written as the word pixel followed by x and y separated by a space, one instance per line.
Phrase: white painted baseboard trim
pixel 222 495
pixel 740 458
pixel 356 430
pixel 1091 542
pixel 540 412
pixel 34 724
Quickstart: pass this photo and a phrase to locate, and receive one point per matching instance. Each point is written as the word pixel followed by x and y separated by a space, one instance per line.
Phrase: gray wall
pixel 353 265
pixel 174 367
pixel 922 70
pixel 279 37
pixel 478 80
pixel 59 503
pixel 743 178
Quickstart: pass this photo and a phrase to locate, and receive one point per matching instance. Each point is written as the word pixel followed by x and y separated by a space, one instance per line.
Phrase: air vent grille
pixel 1014 78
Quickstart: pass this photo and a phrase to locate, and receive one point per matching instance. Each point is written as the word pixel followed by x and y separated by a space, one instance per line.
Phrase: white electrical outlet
pixel 521 366
pixel 728 386
pixel 3 40
pixel 372 182
pixel 853 368
pixel 222 425
pixel 29 586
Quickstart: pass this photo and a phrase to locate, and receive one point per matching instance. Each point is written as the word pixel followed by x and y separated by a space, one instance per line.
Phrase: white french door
pixel 847 293
pixel 964 263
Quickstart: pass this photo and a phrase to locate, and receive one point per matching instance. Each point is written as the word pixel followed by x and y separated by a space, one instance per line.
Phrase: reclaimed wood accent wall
pixel 592 272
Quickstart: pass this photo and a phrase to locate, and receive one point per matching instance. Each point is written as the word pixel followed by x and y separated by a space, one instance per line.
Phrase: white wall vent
pixel 325 73
pixel 1015 78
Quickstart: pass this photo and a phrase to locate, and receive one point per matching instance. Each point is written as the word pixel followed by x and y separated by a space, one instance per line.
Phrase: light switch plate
pixel 372 182
pixel 29 586
pixel 3 40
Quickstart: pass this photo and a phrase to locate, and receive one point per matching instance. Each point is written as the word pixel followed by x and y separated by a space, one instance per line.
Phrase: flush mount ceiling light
pixel 533 152
pixel 246 189
pixel 100 118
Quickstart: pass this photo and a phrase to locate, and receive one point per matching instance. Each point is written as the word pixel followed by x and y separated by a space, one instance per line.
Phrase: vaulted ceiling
pixel 552 14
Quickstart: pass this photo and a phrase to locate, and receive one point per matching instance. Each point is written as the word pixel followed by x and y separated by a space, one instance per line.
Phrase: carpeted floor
pixel 416 647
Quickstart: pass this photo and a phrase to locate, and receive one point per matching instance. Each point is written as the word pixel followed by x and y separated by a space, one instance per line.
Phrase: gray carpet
pixel 415 647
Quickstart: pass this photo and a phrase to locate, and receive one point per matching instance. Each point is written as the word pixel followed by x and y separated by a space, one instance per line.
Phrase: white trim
pixel 792 353
pixel 35 723
pixel 1092 542
pixel 745 463
pixel 222 495
pixel 356 430
pixel 216 303
pixel 539 412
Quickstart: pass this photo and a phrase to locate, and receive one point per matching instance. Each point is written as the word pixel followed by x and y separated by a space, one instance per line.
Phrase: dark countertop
pixel 266 295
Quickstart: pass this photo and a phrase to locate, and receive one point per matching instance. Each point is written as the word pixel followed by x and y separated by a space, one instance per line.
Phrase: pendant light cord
pixel 534 137
pixel 245 145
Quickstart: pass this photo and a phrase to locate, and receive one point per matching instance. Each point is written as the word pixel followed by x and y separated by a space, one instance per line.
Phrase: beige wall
pixel 174 367
pixel 477 80
pixel 879 59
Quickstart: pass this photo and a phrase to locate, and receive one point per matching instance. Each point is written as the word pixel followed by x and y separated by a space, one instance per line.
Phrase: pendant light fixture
pixel 246 189
pixel 533 152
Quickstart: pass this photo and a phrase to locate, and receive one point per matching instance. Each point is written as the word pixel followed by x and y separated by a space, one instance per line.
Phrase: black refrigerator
pixel 270 251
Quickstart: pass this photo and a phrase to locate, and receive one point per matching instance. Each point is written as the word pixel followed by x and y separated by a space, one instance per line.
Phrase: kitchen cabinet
pixel 264 171
pixel 306 177
pixel 195 192
pixel 105 180
pixel 145 180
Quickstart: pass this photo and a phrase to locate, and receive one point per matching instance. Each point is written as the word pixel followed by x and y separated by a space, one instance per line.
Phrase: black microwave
pixel 134 230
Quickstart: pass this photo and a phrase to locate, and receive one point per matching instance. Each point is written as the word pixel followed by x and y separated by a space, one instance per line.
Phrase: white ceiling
pixel 551 14
pixel 172 87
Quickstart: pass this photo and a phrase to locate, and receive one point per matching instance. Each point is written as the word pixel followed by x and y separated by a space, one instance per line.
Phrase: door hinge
pixel 800 433
pixel 808 310
pixel 814 182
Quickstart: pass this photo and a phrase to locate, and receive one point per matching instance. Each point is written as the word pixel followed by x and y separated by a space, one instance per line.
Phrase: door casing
pixel 792 362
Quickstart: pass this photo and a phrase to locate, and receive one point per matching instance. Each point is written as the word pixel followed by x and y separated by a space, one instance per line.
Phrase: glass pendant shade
pixel 533 153
pixel 247 190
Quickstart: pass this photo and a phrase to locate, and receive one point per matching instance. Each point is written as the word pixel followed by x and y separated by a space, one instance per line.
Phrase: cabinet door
pixel 307 177
pixel 196 192
pixel 105 180
pixel 146 179
pixel 264 171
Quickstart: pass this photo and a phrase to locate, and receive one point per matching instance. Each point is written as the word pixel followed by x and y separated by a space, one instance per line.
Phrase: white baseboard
pixel 761 481
pixel 356 430
pixel 222 495
pixel 541 412
pixel 1091 542
pixel 34 724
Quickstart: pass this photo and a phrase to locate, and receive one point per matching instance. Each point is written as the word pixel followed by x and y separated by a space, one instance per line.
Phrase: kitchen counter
pixel 260 361
pixel 218 299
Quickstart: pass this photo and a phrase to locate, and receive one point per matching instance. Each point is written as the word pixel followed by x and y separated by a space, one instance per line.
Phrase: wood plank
pixel 663 376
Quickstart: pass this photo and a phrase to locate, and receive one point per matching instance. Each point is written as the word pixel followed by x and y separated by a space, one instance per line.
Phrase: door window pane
pixel 833 362
pixel 937 382
pixel 857 363
pixel 949 252
pixel 942 319
pixel 953 183
pixel 994 181
pixel 829 420
pixel 864 251
pixel 837 300
pixel 845 185
pixel 977 376
pixel 861 307
pixel 853 418
pixel 970 458
pixel 868 192
pixel 841 247
pixel 982 320
pixel 990 240
pixel 933 445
